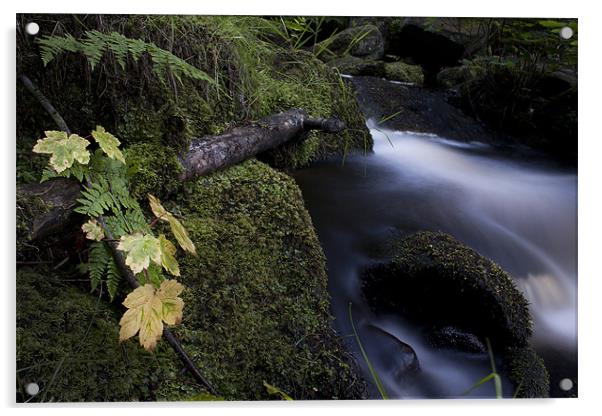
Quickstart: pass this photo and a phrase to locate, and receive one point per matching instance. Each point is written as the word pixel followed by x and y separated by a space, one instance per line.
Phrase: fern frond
pixel 96 200
pixel 98 258
pixel 113 277
pixel 102 268
pixel 95 44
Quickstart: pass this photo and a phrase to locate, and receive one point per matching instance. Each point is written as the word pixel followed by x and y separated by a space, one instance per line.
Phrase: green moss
pixel 400 71
pixel 436 279
pixel 257 308
pixel 153 169
pixel 527 371
pixel 68 344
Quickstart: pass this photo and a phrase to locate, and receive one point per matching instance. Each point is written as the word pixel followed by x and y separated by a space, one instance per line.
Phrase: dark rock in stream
pixel 407 359
pixel 453 338
pixel 438 282
pixel 436 279
pixel 419 110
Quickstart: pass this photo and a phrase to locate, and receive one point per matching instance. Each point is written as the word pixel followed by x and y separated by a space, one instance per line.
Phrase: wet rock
pixel 453 338
pixel 405 358
pixel 431 50
pixel 420 110
pixel 436 279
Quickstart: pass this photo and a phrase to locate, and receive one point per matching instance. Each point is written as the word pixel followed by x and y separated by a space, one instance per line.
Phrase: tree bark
pixel 204 156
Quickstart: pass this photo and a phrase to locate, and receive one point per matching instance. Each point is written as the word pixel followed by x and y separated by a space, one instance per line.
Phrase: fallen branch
pixel 204 156
pixel 211 153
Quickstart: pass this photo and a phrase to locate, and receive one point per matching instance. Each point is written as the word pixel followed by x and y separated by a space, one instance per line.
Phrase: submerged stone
pixel 436 279
pixel 452 338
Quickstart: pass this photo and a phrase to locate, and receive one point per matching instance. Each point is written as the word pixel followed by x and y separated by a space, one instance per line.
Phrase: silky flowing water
pixel 510 205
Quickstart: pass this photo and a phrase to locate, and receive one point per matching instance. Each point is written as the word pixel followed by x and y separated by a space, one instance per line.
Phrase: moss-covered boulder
pixel 257 306
pixel 456 75
pixel 68 344
pixel 400 71
pixel 437 279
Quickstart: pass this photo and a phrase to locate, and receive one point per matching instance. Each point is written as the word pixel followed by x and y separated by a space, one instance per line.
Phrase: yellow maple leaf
pixel 177 228
pixel 148 309
pixel 168 253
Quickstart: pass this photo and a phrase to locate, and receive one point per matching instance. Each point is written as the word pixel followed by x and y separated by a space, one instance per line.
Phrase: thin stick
pixel 58 119
pixel 127 273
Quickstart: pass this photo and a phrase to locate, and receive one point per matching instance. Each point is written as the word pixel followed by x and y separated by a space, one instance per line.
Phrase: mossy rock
pixel 68 344
pixel 456 75
pixel 400 71
pixel 438 280
pixel 352 65
pixel 527 371
pixel 257 306
pixel 363 41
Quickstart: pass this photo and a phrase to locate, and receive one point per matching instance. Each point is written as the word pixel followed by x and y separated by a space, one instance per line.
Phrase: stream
pixel 509 204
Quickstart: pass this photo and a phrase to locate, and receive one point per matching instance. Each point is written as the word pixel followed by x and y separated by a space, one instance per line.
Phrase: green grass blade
pixel 373 372
pixel 497 380
pixel 478 384
pixel 389 117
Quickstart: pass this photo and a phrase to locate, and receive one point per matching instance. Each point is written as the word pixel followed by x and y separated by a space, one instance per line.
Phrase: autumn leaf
pixel 140 249
pixel 64 149
pixel 181 235
pixel 148 309
pixel 108 143
pixel 177 228
pixel 157 208
pixel 172 304
pixel 168 259
pixel 93 230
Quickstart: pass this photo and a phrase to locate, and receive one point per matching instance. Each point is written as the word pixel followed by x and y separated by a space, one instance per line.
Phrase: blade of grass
pixel 389 117
pixel 373 372
pixel 478 384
